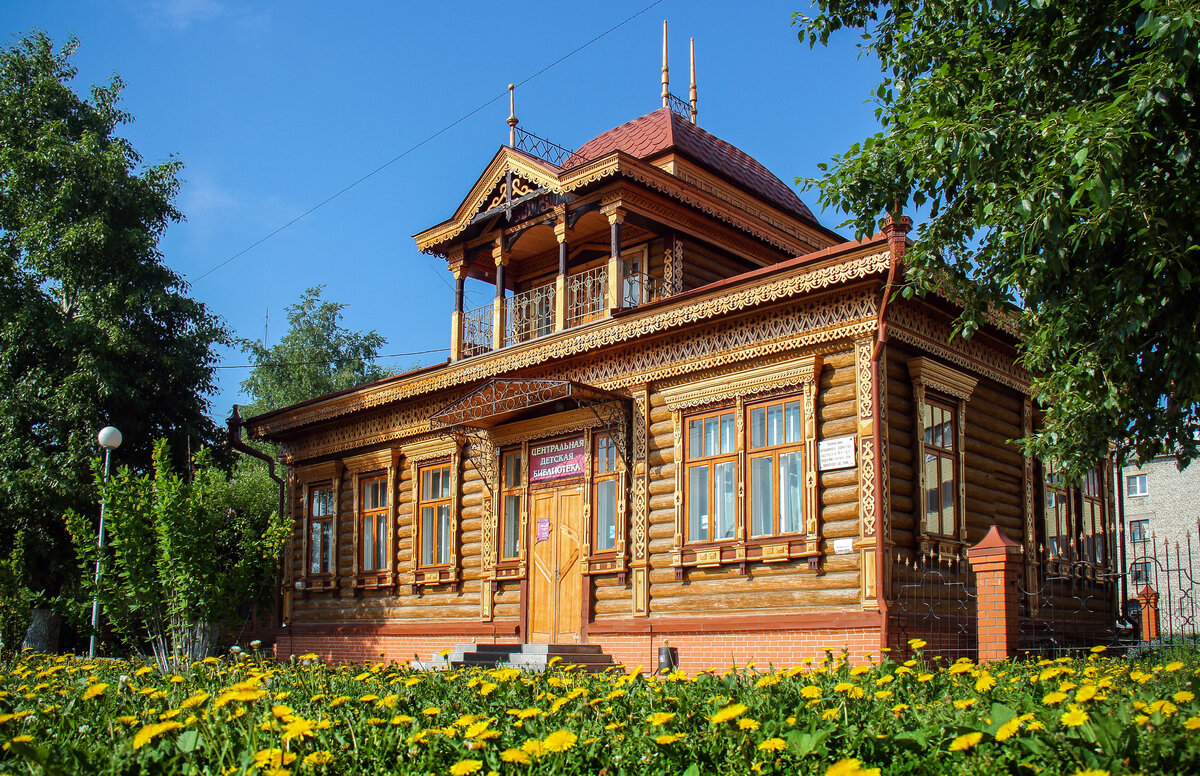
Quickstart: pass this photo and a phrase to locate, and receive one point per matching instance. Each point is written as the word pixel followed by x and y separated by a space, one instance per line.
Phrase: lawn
pixel 246 714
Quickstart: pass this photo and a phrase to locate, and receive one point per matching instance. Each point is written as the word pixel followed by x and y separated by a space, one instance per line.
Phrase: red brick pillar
pixel 997 562
pixel 1148 598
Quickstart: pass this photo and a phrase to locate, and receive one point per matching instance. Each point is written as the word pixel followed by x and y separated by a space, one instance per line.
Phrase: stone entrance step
pixel 529 657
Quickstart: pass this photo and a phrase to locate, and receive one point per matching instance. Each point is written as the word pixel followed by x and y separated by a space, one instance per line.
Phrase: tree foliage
pixel 1055 145
pixel 94 328
pixel 182 554
pixel 316 356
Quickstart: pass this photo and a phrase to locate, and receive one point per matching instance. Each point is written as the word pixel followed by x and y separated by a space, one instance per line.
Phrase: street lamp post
pixel 110 439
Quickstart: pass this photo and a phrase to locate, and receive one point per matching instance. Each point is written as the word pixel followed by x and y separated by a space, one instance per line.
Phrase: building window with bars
pixel 320 531
pixel 373 519
pixel 711 472
pixel 776 471
pixel 604 494
pixel 1092 520
pixel 940 473
pixel 1057 514
pixel 433 510
pixel 510 510
pixel 1139 545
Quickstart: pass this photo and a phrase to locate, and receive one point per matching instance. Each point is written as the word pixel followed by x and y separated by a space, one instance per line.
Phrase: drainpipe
pixel 896 229
pixel 235 441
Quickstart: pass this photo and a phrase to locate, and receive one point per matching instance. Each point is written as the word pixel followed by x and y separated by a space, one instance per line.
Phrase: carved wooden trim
pixel 379 460
pixel 426 454
pixel 941 378
pixel 930 330
pixel 869 451
pixel 931 375
pixel 640 528
pixel 315 472
pixel 558 424
pixel 744 383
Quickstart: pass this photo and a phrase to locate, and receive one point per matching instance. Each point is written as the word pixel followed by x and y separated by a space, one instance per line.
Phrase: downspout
pixel 896 230
pixel 235 441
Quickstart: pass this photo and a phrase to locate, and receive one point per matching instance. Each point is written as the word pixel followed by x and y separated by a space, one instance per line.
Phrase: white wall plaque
pixel 836 453
pixel 843 546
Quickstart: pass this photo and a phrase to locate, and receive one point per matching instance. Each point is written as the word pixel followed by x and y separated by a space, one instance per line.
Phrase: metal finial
pixel 666 90
pixel 692 91
pixel 512 116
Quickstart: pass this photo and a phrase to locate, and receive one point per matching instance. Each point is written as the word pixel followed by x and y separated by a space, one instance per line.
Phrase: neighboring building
pixel 1162 540
pixel 691 414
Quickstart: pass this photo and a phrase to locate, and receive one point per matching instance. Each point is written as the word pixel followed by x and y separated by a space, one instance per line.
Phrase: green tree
pixel 316 356
pixel 94 328
pixel 182 554
pixel 1055 146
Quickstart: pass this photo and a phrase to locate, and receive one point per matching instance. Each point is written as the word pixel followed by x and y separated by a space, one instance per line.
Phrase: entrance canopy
pixel 502 400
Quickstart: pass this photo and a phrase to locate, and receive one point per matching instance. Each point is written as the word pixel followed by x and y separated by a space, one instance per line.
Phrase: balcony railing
pixel 587 296
pixel 530 314
pixel 477 331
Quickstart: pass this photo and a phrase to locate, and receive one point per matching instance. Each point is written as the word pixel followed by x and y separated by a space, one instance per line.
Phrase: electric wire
pixel 328 361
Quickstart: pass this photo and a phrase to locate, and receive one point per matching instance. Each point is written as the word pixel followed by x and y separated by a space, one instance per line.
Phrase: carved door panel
pixel 555 579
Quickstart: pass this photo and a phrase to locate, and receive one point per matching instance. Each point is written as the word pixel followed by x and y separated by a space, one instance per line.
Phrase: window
pixel 1095 535
pixel 1139 533
pixel 1139 572
pixel 320 526
pixel 711 465
pixel 604 494
pixel 1135 485
pixel 776 470
pixel 1057 514
pixel 510 516
pixel 939 436
pixel 1139 539
pixel 433 506
pixel 373 530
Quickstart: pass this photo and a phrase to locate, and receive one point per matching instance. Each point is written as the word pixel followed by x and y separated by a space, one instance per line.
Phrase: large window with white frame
pixel 776 472
pixel 1135 485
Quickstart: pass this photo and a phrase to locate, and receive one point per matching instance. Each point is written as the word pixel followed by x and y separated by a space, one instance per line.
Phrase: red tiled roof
pixel 664 130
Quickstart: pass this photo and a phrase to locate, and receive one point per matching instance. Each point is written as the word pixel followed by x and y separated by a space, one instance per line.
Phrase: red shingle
pixel 662 130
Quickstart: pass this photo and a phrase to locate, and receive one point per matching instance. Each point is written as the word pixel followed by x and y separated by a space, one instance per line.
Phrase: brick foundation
pixel 333 647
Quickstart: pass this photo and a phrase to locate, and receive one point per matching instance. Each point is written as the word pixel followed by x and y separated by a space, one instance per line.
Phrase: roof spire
pixel 512 117
pixel 692 93
pixel 666 92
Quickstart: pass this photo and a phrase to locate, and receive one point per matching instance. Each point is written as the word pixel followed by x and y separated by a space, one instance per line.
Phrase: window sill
pixel 606 562
pixel 374 580
pixel 434 575
pixel 761 549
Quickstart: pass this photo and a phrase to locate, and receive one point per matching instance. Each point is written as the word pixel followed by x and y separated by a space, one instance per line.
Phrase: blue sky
pixel 275 107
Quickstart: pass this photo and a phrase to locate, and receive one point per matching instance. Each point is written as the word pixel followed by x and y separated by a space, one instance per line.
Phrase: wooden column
pixel 560 282
pixel 456 319
pixel 498 319
pixel 616 217
pixel 997 562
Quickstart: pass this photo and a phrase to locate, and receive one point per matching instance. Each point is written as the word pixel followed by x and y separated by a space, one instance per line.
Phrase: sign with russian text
pixel 557 460
pixel 836 453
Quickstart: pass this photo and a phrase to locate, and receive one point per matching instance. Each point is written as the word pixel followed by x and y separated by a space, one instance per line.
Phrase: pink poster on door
pixel 556 460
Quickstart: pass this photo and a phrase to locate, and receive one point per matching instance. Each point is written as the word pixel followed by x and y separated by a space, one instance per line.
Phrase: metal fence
pixel 934 600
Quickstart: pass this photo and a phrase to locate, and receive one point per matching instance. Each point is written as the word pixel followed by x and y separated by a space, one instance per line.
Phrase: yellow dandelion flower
pixel 431 711
pixel 1008 729
pixel 965 742
pixel 176 679
pixel 965 703
pixel 559 741
pixel 850 768
pixel 533 747
pixel 515 756
pixel 960 668
pixel 368 698
pixel 1174 665
pixel 300 728
pixel 1091 771
pixel 1086 693
pixel 811 692
pixel 924 677
pixel 476 728
pixel 727 713
pixel 94 690
pixel 319 757
pixel 1192 723
pixel 660 718
pixel 859 670
pixel 244 696
pixel 667 739
pixel 772 745
pixel 150 732
pixel 1183 696
pixel 127 720
pixel 1075 717
pixel 917 643
pixel 899 707
pixel 193 701
pixel 1053 698
pixel 745 723
pixel 829 713
pixel 985 682
pixel 463 767
pixel 143 671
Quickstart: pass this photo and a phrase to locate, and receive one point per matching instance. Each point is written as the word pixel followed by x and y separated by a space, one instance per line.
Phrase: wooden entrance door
pixel 555 585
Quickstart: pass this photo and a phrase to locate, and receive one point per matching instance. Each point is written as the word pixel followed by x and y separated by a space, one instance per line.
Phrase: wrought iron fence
pixel 477 331
pixel 587 295
pixel 1162 576
pixel 530 314
pixel 546 150
pixel 934 600
pixel 1069 606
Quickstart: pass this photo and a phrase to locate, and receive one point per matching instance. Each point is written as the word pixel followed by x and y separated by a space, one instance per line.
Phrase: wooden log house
pixel 691 415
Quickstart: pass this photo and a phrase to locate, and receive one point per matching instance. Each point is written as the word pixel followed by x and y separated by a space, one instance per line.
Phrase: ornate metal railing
pixel 530 314
pixel 477 331
pixel 546 150
pixel 644 291
pixel 934 600
pixel 587 296
pixel 679 106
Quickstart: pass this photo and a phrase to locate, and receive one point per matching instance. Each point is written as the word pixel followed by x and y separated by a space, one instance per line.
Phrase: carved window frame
pixel 380 464
pixel 596 478
pixel 313 478
pixel 422 456
pixel 769 381
pixel 519 490
pixel 774 452
pixel 950 388
pixel 693 459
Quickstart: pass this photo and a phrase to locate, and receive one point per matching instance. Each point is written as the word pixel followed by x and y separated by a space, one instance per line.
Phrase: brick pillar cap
pixel 995 543
pixel 1147 593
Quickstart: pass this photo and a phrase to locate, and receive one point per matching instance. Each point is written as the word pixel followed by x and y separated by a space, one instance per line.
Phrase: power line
pixel 428 139
pixel 327 361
